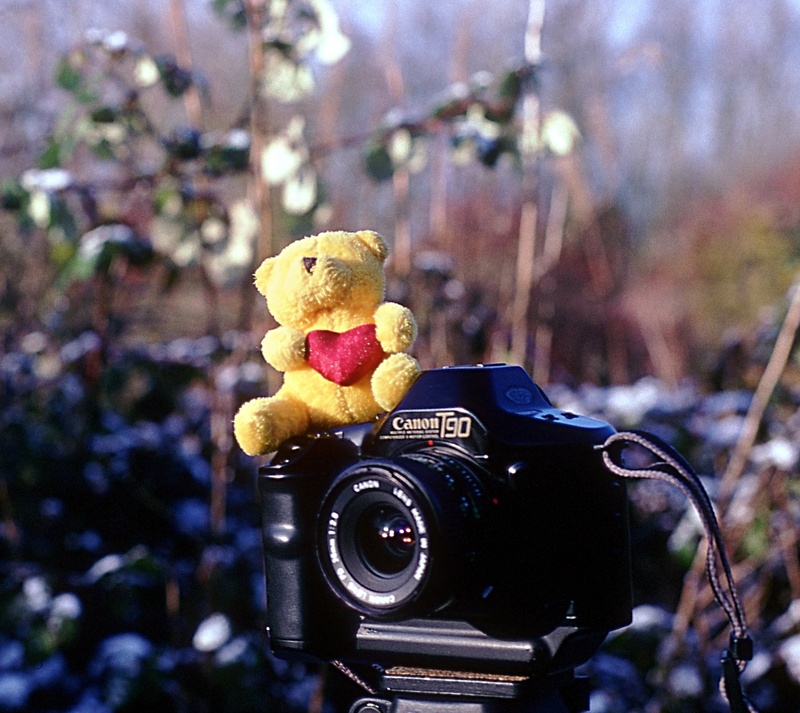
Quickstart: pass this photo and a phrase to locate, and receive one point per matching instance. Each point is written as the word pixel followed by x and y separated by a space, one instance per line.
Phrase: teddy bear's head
pixel 323 274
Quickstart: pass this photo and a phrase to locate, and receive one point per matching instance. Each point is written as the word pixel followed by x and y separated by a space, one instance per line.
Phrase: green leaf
pixel 684 555
pixel 67 76
pixel 67 145
pixel 176 80
pixel 51 156
pixel 62 254
pixel 452 109
pixel 63 219
pixel 172 275
pixel 76 267
pixel 215 164
pixel 222 158
pixel 233 11
pixel 510 86
pixel 167 199
pixel 103 150
pixel 756 541
pixel 85 95
pixel 104 115
pixel 100 246
pixel 378 162
pixel 184 143
pixel 13 196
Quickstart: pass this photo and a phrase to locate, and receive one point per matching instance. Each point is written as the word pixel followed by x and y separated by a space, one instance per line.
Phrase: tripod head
pixel 432 691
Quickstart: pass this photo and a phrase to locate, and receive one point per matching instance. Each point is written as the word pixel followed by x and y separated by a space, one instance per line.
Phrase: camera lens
pixel 399 538
pixel 385 539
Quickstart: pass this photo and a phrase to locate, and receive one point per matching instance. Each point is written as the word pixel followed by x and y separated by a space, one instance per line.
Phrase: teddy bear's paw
pixel 395 327
pixel 261 425
pixel 393 378
pixel 284 348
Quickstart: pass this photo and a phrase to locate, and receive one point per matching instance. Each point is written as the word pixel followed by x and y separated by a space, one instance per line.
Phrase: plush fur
pixel 340 347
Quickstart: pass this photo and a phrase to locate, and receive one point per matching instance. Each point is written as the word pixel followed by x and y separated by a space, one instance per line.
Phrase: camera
pixel 474 529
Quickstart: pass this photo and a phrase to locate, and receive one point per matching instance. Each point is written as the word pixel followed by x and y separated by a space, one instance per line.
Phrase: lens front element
pixel 385 540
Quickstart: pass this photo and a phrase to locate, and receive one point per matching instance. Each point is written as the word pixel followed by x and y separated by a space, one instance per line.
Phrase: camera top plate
pixel 458 405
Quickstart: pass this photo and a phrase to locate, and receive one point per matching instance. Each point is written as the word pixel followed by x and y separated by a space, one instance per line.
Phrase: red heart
pixel 344 357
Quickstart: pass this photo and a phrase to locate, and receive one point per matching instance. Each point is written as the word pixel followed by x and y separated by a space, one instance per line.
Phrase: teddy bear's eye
pixel 309 263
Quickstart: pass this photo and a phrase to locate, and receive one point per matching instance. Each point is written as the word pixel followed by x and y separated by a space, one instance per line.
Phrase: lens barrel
pixel 398 538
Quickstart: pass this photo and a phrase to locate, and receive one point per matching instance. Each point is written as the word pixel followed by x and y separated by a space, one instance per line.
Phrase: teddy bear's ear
pixel 374 242
pixel 262 274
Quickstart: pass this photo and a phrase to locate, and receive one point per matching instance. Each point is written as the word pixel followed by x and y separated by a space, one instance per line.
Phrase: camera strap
pixel 353 676
pixel 671 467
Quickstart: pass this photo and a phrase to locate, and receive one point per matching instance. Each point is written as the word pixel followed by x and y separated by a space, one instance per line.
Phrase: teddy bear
pixel 341 348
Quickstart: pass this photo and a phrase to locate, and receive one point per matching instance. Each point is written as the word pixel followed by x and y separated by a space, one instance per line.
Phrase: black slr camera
pixel 474 528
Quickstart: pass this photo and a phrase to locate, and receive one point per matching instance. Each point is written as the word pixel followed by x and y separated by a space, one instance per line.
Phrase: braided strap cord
pixel 353 676
pixel 672 468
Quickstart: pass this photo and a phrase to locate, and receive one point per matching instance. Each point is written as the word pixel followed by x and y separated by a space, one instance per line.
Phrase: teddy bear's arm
pixel 395 327
pixel 284 348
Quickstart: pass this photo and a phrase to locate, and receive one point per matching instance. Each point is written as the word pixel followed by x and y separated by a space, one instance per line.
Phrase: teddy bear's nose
pixel 309 263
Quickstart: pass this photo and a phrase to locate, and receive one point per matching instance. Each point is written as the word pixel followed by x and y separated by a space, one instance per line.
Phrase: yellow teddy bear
pixel 339 345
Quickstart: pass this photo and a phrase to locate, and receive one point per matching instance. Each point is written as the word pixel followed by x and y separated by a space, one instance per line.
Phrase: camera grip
pixel 303 615
pixel 288 544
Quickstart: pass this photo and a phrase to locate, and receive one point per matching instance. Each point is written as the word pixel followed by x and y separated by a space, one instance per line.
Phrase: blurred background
pixel 604 192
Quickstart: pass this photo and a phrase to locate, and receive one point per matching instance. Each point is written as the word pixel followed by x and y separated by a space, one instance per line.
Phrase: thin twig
pixel 551 254
pixel 258 188
pixel 401 177
pixel 526 245
pixel 183 52
pixel 687 605
pixel 221 417
pixel 766 386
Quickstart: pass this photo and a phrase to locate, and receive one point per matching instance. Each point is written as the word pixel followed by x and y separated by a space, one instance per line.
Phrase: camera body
pixel 473 528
